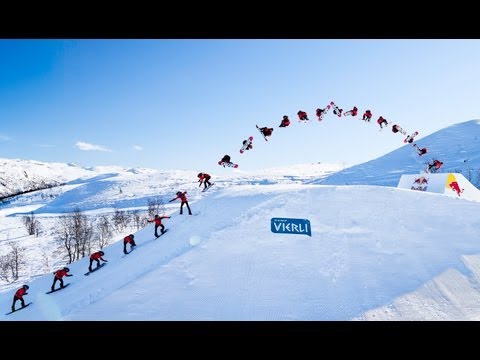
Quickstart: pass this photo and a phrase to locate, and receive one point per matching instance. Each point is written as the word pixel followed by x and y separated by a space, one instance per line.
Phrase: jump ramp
pixel 450 184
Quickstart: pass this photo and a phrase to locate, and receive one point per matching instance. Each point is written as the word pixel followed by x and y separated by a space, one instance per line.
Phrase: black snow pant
pixel 55 280
pixel 91 262
pixel 181 208
pixel 162 230
pixel 207 183
pixel 15 300
pixel 132 244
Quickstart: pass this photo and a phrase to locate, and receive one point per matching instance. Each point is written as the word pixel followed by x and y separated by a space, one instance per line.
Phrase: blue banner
pixel 291 226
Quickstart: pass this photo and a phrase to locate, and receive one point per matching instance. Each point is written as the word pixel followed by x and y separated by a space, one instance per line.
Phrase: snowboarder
pixel 367 116
pixel 19 296
pixel 129 239
pixel 302 115
pixel 158 223
pixel 421 151
pixel 396 128
pixel 285 121
pixel 205 178
pixel 249 146
pixel 337 111
pixel 267 132
pixel 381 121
pixel 96 256
pixel 435 166
pixel 182 196
pixel 319 112
pixel 59 274
pixel 352 112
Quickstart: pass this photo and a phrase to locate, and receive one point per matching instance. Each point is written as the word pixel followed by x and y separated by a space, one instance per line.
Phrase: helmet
pixel 156 216
pixel 199 174
pixel 66 269
pixel 25 287
pixel 101 252
pixel 298 113
pixel 131 235
pixel 179 192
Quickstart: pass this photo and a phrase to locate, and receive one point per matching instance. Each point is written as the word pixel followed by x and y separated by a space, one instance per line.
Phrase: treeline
pixel 77 235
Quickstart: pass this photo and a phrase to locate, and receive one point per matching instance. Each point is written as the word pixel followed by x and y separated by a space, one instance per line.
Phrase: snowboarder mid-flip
pixel 285 121
pixel 19 296
pixel 129 239
pixel 249 146
pixel 381 121
pixel 183 197
pixel 421 151
pixel 367 116
pixel 397 128
pixel 434 166
pixel 266 131
pixel 352 112
pixel 96 256
pixel 302 115
pixel 158 223
pixel 205 179
pixel 59 274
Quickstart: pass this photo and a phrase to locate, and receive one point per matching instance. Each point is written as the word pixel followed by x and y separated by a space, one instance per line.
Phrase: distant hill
pixel 458 146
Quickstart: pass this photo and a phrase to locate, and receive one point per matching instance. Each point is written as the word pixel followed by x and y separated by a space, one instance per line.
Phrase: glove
pixel 170 200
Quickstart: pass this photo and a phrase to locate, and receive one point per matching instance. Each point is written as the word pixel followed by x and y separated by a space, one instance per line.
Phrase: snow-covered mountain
pixel 458 146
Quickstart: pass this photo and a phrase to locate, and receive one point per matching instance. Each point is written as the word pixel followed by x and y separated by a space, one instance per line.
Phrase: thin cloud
pixel 90 147
pixel 44 145
pixel 137 147
pixel 5 138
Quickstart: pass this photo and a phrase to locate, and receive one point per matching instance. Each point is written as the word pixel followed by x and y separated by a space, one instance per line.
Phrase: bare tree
pixel 139 221
pixel 31 224
pixel 12 263
pixel 104 232
pixel 120 219
pixel 155 206
pixel 74 233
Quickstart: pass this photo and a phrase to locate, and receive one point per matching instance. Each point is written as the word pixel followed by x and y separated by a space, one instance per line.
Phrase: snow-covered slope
pixel 458 146
pixel 224 263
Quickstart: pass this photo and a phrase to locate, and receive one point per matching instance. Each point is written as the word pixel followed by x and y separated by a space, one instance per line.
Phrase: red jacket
pixel 60 273
pixel 96 256
pixel 302 114
pixel 20 292
pixel 204 177
pixel 158 221
pixel 127 239
pixel 381 120
pixel 354 111
pixel 182 197
pixel 368 114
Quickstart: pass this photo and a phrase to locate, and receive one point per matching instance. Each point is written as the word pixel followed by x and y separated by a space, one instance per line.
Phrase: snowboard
pixel 57 289
pixel 261 133
pixel 249 142
pixel 410 137
pixel 20 308
pixel 336 110
pixel 208 187
pixel 229 164
pixel 322 115
pixel 161 234
pixel 98 267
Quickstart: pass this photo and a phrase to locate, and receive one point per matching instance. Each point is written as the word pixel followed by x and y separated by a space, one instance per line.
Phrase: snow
pixel 376 252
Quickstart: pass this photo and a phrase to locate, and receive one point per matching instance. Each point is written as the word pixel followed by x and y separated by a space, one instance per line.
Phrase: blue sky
pixel 183 104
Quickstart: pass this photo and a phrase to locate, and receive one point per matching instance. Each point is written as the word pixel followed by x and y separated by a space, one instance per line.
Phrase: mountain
pixel 458 146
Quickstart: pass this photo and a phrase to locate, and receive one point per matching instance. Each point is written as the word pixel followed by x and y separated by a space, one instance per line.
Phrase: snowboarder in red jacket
pixel 19 296
pixel 421 151
pixel 182 196
pixel 435 166
pixel 367 116
pixel 285 121
pixel 59 274
pixel 205 178
pixel 129 239
pixel 352 112
pixel 158 223
pixel 302 115
pixel 381 121
pixel 266 131
pixel 97 256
